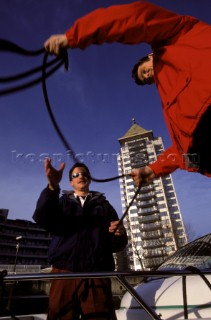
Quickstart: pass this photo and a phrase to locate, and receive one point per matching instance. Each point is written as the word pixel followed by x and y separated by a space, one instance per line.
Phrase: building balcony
pixel 145 197
pixel 7 254
pixel 140 163
pixel 136 149
pixel 153 244
pixel 8 244
pixel 11 235
pixel 147 212
pixel 146 189
pixel 151 235
pixel 43 236
pixel 150 227
pixel 149 218
pixel 151 263
pixel 23 255
pixel 149 254
pixel 147 204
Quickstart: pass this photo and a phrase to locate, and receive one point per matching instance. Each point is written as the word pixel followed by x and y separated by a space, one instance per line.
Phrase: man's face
pixel 80 179
pixel 146 72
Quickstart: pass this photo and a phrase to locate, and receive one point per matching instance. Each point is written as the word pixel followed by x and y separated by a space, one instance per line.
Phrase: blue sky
pixel 94 103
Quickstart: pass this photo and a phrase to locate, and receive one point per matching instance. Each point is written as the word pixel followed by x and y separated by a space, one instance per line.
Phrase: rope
pixel 127 209
pixel 6 45
pixel 26 73
pixel 56 63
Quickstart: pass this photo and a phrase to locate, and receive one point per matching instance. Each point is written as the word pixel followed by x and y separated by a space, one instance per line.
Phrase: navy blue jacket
pixel 81 241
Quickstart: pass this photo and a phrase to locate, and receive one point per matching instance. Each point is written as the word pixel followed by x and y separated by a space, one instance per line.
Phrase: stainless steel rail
pixel 121 276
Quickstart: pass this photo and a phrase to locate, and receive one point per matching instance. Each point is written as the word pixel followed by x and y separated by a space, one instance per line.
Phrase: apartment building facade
pixel 22 243
pixel 154 223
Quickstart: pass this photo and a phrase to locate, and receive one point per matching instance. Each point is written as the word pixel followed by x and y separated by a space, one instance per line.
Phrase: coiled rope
pixel 47 69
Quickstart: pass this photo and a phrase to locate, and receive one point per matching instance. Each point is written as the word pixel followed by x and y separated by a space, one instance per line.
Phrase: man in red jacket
pixel 180 67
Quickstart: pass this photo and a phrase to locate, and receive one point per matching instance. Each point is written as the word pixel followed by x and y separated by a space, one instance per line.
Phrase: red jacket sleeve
pixel 170 160
pixel 167 162
pixel 128 23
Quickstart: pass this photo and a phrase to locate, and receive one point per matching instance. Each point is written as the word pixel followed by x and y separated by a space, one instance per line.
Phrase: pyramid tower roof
pixel 135 130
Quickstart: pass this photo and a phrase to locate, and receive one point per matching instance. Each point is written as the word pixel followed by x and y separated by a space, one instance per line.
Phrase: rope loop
pixel 46 70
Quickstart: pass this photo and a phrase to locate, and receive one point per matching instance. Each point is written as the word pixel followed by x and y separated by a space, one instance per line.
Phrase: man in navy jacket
pixel 82 223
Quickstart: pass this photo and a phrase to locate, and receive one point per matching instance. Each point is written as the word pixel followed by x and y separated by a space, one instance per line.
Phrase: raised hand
pixel 54 176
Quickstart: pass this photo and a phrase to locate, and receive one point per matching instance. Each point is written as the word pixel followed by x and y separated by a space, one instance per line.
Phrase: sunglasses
pixel 82 174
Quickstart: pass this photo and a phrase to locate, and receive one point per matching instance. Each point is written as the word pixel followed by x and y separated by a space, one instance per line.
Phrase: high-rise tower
pixel 154 223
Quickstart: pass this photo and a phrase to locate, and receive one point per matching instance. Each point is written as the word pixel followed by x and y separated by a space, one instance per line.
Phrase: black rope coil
pixel 47 70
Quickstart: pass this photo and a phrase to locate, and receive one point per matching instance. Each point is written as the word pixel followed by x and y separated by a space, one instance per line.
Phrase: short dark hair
pixel 79 165
pixel 135 71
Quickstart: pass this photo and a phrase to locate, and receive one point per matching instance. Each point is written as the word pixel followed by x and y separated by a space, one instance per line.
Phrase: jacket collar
pixel 94 194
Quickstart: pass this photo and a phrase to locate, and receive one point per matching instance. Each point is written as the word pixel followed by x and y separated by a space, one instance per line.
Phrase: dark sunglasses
pixel 82 174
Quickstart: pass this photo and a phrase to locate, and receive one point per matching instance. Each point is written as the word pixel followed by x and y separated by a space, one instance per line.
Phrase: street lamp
pixel 14 268
pixel 17 249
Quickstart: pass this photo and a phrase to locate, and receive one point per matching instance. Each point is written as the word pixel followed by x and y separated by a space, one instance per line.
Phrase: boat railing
pixel 120 276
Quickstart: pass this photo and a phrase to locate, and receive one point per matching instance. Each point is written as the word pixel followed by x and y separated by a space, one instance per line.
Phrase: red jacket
pixel 181 48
